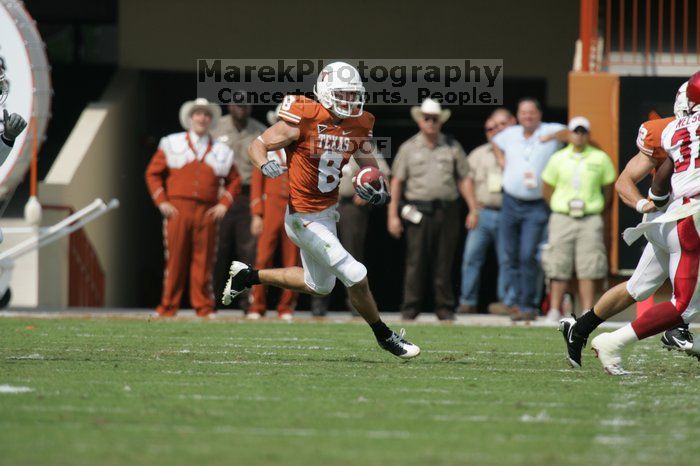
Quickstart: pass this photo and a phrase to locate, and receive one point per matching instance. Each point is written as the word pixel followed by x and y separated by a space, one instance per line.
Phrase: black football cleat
pixel 398 346
pixel 237 275
pixel 680 339
pixel 574 342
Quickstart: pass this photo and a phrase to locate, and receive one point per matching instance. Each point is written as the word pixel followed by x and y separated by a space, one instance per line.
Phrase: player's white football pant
pixel 322 256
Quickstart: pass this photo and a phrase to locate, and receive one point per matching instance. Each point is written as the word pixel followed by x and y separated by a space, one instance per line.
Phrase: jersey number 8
pixel 329 171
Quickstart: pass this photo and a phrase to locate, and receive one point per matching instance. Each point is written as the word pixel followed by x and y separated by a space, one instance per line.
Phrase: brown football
pixel 369 175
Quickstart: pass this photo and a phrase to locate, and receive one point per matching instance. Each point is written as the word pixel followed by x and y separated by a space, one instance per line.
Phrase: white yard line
pixel 303 317
pixel 11 389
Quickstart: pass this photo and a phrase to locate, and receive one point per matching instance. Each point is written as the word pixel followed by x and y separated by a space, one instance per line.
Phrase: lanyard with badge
pixel 577 206
pixel 529 178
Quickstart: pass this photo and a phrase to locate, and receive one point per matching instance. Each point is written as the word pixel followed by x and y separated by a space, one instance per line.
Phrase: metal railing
pixel 86 277
pixel 648 37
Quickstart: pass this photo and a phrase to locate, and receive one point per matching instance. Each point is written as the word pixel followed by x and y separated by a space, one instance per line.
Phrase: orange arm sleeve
pixel 233 187
pixel 257 188
pixel 156 172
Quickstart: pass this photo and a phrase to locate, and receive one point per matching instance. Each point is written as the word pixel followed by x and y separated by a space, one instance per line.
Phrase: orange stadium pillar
pixel 596 96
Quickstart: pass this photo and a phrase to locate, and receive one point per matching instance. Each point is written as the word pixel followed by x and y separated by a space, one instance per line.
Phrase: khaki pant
pixel 575 243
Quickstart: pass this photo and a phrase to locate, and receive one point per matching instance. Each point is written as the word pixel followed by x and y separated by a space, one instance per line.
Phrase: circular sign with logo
pixel 23 58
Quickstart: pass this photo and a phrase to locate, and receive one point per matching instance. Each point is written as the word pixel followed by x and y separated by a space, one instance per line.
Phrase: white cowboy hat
pixel 273 115
pixel 430 107
pixel 199 103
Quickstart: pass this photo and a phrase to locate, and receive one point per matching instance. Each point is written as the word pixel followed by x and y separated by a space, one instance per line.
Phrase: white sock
pixel 625 335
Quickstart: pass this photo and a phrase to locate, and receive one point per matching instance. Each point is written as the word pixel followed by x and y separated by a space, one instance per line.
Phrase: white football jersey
pixel 681 140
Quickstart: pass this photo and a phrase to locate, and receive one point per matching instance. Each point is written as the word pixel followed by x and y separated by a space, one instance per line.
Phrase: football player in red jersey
pixel 676 232
pixel 652 269
pixel 319 138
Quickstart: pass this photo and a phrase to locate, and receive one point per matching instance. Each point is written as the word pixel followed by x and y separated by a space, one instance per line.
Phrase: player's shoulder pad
pixel 296 108
pixel 657 126
pixel 366 122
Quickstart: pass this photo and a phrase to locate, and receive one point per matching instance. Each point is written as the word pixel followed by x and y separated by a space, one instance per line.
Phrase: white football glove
pixel 13 124
pixel 372 195
pixel 272 169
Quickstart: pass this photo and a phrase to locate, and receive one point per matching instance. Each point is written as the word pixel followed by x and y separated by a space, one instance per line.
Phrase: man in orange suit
pixel 268 202
pixel 183 178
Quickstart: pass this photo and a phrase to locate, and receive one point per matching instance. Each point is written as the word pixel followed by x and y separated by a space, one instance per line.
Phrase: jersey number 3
pixel 329 171
pixel 682 135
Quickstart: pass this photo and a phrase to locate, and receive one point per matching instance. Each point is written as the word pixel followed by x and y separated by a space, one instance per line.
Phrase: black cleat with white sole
pixel 680 339
pixel 574 343
pixel 398 346
pixel 238 275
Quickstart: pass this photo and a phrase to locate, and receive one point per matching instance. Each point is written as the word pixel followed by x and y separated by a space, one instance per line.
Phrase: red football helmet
pixel 693 93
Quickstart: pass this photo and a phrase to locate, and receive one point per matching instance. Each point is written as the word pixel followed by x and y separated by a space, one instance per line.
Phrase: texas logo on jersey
pixel 324 146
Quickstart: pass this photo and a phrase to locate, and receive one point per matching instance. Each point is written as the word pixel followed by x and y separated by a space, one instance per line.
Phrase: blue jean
pixel 521 230
pixel 475 254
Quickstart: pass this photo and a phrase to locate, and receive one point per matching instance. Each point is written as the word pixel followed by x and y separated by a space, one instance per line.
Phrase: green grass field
pixel 134 392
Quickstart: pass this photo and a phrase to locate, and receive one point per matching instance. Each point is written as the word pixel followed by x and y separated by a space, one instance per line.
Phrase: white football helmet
pixel 680 106
pixel 4 87
pixel 339 89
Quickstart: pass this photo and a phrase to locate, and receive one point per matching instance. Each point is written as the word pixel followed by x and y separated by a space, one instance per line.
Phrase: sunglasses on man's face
pixel 430 118
pixel 581 130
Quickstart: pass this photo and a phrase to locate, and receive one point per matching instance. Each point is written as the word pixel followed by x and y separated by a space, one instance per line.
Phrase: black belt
pixel 427 207
pixel 566 214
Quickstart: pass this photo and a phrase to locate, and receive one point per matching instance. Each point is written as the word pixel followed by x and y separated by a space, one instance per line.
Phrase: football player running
pixel 319 138
pixel 675 232
pixel 652 269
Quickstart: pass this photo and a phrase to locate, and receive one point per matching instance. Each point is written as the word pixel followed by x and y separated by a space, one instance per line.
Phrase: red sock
pixel 656 319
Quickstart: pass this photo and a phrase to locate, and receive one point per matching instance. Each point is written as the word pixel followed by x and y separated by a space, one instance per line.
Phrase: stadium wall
pixel 172 34
pixel 97 160
pixel 596 96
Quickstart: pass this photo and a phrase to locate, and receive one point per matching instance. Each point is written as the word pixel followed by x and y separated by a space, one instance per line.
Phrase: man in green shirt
pixel 578 186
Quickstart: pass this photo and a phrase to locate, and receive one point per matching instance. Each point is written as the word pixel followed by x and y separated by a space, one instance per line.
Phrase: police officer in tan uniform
pixel 429 176
pixel 352 226
pixel 237 130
